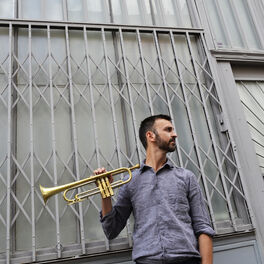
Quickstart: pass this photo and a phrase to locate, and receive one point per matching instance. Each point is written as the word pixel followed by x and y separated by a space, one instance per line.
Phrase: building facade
pixel 76 79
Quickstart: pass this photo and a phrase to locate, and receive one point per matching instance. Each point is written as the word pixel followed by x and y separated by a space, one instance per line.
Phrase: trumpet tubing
pixel 104 187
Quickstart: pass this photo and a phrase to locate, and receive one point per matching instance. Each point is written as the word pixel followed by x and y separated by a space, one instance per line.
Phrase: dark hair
pixel 147 125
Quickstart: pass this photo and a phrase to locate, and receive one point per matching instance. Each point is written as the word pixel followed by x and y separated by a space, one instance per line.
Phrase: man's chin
pixel 172 149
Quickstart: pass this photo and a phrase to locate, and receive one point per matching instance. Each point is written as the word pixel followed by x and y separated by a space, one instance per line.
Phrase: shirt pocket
pixel 178 201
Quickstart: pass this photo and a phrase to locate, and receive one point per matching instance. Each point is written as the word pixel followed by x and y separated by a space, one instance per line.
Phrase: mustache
pixel 172 140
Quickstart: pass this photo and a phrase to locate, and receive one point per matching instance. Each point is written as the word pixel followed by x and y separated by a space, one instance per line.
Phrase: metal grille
pixel 72 97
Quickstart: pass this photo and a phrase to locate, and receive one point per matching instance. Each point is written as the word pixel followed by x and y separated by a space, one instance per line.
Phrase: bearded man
pixel 171 221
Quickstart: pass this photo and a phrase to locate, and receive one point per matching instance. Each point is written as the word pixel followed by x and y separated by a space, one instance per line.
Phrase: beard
pixel 164 145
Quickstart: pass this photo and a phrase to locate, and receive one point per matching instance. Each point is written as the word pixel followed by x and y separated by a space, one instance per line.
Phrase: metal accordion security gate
pixel 71 99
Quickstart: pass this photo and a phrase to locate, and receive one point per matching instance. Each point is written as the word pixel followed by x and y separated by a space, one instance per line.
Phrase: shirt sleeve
pixel 114 222
pixel 198 211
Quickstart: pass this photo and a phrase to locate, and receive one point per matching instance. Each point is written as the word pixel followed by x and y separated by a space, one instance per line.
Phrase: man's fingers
pixel 111 179
pixel 99 171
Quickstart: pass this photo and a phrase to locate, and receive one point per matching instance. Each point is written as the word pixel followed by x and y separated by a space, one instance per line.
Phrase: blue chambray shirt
pixel 169 213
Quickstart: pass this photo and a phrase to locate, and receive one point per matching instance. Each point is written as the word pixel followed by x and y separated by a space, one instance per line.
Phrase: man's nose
pixel 174 134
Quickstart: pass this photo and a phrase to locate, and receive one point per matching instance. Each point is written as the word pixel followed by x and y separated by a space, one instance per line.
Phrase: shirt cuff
pixel 208 231
pixel 107 216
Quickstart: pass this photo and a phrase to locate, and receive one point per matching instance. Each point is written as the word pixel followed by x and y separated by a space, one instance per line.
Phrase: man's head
pixel 158 129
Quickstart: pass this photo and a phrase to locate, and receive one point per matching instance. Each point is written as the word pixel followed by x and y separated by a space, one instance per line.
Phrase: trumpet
pixel 104 187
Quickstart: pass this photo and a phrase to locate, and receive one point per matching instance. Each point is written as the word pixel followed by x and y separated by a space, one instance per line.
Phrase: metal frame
pixel 244 149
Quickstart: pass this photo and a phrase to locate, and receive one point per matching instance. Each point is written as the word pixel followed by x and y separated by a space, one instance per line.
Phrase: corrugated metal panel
pixel 252 98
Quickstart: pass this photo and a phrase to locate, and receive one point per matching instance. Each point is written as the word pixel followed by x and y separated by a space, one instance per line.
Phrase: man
pixel 171 221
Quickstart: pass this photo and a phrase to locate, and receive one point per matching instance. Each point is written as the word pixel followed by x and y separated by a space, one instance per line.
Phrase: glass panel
pixel 88 11
pixel 138 12
pixel 75 10
pixel 247 24
pixel 216 23
pixel 53 9
pixel 131 12
pixel 97 11
pixel 176 13
pixel 172 13
pixel 41 9
pixel 229 18
pixel 232 24
pixel 31 9
pixel 7 9
pixel 117 14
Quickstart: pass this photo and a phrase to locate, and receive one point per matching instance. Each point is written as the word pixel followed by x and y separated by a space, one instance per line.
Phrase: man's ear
pixel 150 136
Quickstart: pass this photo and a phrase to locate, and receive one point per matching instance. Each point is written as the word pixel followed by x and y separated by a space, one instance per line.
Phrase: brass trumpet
pixel 101 180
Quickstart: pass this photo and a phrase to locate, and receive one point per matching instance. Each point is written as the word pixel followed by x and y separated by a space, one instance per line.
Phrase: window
pixel 233 24
pixel 175 13
pixel 76 103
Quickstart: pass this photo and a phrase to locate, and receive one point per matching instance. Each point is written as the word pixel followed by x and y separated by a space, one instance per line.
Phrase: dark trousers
pixel 189 261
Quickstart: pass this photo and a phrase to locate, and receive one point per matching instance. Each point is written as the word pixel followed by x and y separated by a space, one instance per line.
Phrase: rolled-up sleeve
pixel 114 222
pixel 200 218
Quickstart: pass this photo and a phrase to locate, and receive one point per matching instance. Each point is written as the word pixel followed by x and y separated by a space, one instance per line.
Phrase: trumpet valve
pixel 105 187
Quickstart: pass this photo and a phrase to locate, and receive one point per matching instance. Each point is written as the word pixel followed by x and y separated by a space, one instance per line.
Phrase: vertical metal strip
pixel 53 135
pixel 129 93
pixel 74 133
pixel 132 112
pixel 112 105
pixel 193 8
pixel 85 11
pixel 15 11
pixel 256 24
pixel 124 12
pixel 152 11
pixel 9 150
pixel 211 132
pixel 142 11
pixel 193 130
pixel 160 14
pixel 239 25
pixel 91 96
pixel 177 14
pixel 93 109
pixel 19 9
pixel 164 82
pixel 32 180
pixel 111 99
pixel 223 22
pixel 64 10
pixel 144 71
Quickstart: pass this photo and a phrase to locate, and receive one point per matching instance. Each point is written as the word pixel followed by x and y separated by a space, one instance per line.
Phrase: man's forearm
pixel 106 206
pixel 206 249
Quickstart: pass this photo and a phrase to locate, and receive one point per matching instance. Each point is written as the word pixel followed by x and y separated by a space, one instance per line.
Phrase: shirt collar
pixel 144 167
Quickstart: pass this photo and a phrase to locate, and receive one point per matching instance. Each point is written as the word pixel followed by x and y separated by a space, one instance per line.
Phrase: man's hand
pixel 106 202
pixel 103 170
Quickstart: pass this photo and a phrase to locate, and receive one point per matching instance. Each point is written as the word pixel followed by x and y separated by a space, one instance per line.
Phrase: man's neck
pixel 155 159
